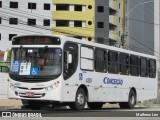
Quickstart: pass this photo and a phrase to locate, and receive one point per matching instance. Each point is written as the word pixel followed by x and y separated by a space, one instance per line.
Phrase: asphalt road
pixel 48 113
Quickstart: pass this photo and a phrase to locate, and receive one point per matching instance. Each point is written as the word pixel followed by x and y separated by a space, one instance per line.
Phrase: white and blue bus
pixel 52 69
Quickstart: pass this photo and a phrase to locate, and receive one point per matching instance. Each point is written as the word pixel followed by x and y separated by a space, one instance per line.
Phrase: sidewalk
pixel 10 102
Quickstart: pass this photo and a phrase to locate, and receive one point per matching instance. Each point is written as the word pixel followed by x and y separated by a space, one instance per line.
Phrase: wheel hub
pixel 80 99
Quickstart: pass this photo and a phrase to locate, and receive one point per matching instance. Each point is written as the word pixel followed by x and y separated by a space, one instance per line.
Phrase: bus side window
pixel 143 67
pixel 152 68
pixel 100 60
pixel 70 59
pixel 113 62
pixel 124 63
pixel 134 65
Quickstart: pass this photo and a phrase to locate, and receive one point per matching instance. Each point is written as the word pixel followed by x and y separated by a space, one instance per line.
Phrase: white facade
pixel 23 14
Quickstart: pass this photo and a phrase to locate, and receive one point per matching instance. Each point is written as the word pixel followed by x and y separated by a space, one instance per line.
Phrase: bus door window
pixel 113 62
pixel 70 59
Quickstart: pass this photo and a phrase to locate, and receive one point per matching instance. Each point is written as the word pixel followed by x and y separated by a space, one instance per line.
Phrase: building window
pixel 11 36
pixel 46 22
pixel 62 7
pixel 47 6
pixel 0 20
pixel 13 4
pixel 100 9
pixel 78 8
pixel 89 6
pixel 31 22
pixel 13 21
pixel 0 4
pixel 62 23
pixel 89 22
pixel 31 5
pixel 78 37
pixel 77 23
pixel 100 24
pixel 89 39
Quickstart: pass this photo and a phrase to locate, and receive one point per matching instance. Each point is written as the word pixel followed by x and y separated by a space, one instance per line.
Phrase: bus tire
pixel 80 100
pixel 35 105
pixel 95 105
pixel 131 101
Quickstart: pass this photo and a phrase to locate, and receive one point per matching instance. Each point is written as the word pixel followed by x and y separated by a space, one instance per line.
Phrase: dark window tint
pixel 0 4
pixel 70 49
pixel 47 6
pixel 13 4
pixel 31 22
pixel 152 68
pixel 0 36
pixel 100 60
pixel 77 23
pixel 113 62
pixel 31 5
pixel 100 9
pixel 144 67
pixel 11 36
pixel 62 7
pixel 78 7
pixel 124 63
pixel 13 21
pixel 100 24
pixel 62 23
pixel 0 20
pixel 134 65
pixel 46 23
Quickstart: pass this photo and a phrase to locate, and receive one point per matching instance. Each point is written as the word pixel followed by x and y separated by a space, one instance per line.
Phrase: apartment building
pixel 92 20
pixel 19 17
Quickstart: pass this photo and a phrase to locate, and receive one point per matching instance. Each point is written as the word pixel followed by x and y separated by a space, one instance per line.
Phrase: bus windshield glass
pixel 36 61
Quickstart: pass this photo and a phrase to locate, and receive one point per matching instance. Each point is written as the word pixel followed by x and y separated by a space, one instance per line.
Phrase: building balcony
pixel 113 20
pixel 113 5
pixel 80 2
pixel 113 35
pixel 73 31
pixel 72 15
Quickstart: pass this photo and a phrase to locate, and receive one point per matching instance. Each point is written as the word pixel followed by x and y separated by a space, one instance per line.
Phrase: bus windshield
pixel 36 61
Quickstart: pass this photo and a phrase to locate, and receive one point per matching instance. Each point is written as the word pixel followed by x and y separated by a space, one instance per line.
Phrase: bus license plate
pixel 29 94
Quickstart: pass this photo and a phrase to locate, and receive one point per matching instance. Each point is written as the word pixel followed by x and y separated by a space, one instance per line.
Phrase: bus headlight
pixel 52 87
pixel 12 86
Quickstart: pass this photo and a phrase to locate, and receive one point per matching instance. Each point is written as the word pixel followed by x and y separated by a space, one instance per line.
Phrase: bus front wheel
pixel 80 100
pixel 131 101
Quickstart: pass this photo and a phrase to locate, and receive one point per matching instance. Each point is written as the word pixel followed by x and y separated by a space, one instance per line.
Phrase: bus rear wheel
pixel 80 100
pixel 131 101
pixel 95 105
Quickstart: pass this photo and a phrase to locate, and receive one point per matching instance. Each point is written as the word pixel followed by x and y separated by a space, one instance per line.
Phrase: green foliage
pixel 8 55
